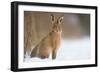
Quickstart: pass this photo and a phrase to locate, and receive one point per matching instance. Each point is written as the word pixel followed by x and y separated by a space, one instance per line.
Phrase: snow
pixel 77 49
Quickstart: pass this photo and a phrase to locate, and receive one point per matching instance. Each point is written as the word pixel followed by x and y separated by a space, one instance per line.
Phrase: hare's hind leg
pixel 44 53
pixel 34 52
pixel 44 56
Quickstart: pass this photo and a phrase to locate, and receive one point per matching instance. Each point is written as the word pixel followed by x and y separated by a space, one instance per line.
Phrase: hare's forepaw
pixel 53 57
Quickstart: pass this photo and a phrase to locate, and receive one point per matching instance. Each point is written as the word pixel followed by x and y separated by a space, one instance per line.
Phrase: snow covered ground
pixel 79 49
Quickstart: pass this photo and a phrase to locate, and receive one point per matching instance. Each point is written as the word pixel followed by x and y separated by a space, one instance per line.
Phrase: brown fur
pixel 50 43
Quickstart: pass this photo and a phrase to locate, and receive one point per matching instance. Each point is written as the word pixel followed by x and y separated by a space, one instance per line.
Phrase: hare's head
pixel 56 23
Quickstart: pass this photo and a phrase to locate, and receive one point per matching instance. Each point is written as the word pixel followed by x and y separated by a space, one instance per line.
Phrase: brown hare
pixel 51 43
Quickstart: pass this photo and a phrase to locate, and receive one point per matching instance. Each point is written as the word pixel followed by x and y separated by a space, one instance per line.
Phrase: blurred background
pixel 38 24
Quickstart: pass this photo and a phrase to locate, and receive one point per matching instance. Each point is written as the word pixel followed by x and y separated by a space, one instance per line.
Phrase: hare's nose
pixel 58 30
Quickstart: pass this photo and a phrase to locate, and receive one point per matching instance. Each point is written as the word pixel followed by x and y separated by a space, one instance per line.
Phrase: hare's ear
pixel 52 18
pixel 60 19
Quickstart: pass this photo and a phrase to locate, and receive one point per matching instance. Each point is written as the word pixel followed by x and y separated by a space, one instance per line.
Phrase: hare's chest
pixel 56 38
pixel 57 34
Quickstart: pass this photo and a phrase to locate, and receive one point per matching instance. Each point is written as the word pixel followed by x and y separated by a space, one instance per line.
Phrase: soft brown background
pixel 38 24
